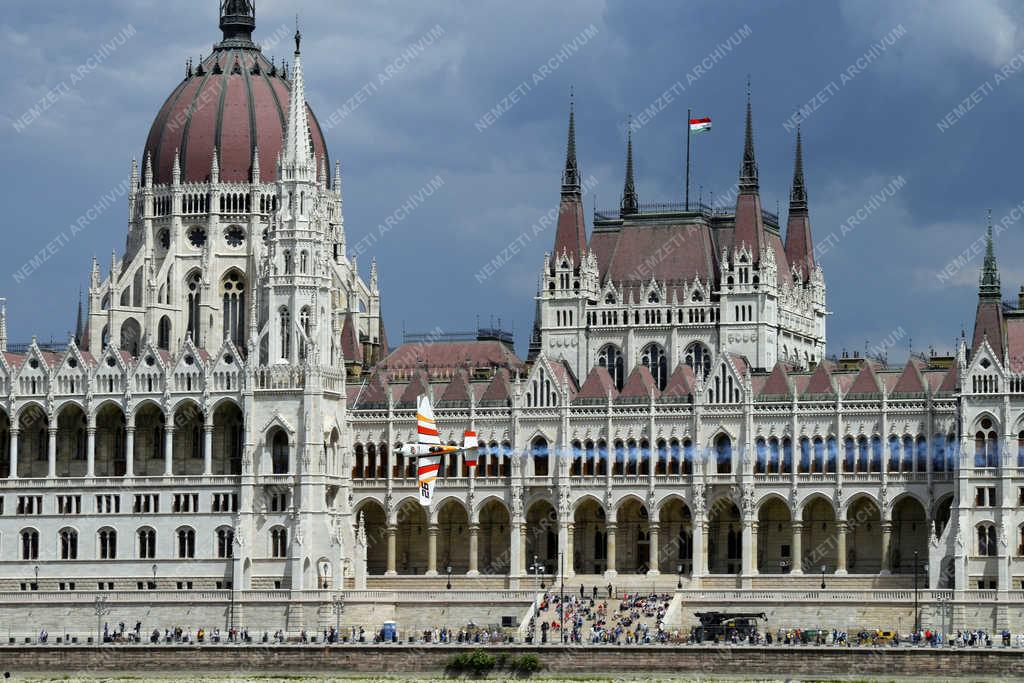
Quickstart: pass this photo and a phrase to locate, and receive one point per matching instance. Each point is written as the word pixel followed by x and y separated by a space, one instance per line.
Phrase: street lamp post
pixel 535 568
pixel 338 605
pixel 679 574
pixel 101 609
pixel 561 596
pixel 917 613
pixel 822 577
pixel 449 570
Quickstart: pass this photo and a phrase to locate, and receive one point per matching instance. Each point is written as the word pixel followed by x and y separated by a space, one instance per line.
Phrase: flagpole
pixel 688 115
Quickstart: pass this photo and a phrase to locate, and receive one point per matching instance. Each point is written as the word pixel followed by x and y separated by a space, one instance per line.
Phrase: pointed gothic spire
pixel 215 167
pixel 799 242
pixel 571 175
pixel 147 178
pixel 630 203
pixel 176 169
pixel 798 192
pixel 3 325
pixel 297 155
pixel 256 165
pixel 989 283
pixel 135 174
pixel 337 179
pixel 748 172
pixel 79 331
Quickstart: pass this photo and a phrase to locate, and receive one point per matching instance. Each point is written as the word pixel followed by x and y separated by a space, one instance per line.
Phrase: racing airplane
pixel 428 449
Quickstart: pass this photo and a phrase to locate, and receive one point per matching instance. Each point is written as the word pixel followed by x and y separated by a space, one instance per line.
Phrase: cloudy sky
pixel 924 93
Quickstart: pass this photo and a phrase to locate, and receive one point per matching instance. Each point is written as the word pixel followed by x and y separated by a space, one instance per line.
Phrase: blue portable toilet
pixel 390 632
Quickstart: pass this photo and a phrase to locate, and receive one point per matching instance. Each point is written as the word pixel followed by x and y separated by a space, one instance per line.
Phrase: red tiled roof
pixel 499 390
pixel 457 390
pixel 598 385
pixel 674 252
pixel 351 347
pixel 799 244
pixel 820 384
pixel 419 385
pixel 452 355
pixel 1015 343
pixel 680 383
pixel 988 324
pixel 375 391
pixel 571 234
pixel 949 381
pixel 777 383
pixel 640 384
pixel 910 380
pixel 866 381
pixel 749 224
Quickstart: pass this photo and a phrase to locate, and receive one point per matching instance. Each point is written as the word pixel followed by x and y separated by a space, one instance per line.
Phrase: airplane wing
pixel 426 426
pixel 427 466
pixel 469 447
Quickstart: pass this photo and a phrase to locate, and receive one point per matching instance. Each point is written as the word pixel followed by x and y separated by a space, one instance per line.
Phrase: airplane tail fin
pixel 427 467
pixel 469 446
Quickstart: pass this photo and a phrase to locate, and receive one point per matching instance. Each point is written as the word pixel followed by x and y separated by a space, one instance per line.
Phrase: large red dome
pixel 233 101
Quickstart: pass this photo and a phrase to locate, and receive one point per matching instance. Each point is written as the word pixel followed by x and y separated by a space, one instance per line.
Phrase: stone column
pixel 886 541
pixel 798 553
pixel 474 550
pixel 654 550
pixel 14 454
pixel 611 529
pixel 51 454
pixel 432 532
pixel 90 451
pixel 699 558
pixel 392 533
pixel 841 530
pixel 749 548
pixel 129 451
pixel 521 537
pixel 169 447
pixel 207 449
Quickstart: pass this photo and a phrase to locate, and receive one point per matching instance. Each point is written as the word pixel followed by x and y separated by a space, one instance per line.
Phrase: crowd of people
pixel 633 619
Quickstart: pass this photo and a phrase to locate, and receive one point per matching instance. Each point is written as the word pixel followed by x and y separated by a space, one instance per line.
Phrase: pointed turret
pixel 799 243
pixel 748 170
pixel 297 159
pixel 988 321
pixel 176 169
pixel 749 220
pixel 630 203
pixel 337 179
pixel 215 167
pixel 571 233
pixel 147 178
pixel 256 165
pixel 135 174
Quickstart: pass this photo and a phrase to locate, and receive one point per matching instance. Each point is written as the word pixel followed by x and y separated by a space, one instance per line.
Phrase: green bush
pixel 478 662
pixel 526 665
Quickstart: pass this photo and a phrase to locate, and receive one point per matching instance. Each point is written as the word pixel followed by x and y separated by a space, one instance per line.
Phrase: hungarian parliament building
pixel 229 413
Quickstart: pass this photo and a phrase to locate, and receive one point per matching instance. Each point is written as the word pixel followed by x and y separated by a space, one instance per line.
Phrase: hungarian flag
pixel 700 125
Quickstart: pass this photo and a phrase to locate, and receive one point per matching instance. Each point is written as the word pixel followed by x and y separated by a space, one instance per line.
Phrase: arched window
pixel 108 544
pixel 186 543
pixel 287 262
pixel 279 452
pixel 30 544
pixel 279 542
pixel 986 445
pixel 698 358
pixel 163 333
pixel 225 542
pixel 653 356
pixel 193 285
pixel 147 544
pixel 68 544
pixel 304 262
pixel 304 325
pixel 286 332
pixel 539 452
pixel 988 546
pixel 233 298
pixel 723 454
pixel 610 358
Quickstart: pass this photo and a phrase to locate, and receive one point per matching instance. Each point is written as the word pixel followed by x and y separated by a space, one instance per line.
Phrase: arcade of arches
pixel 111 444
pixel 632 541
